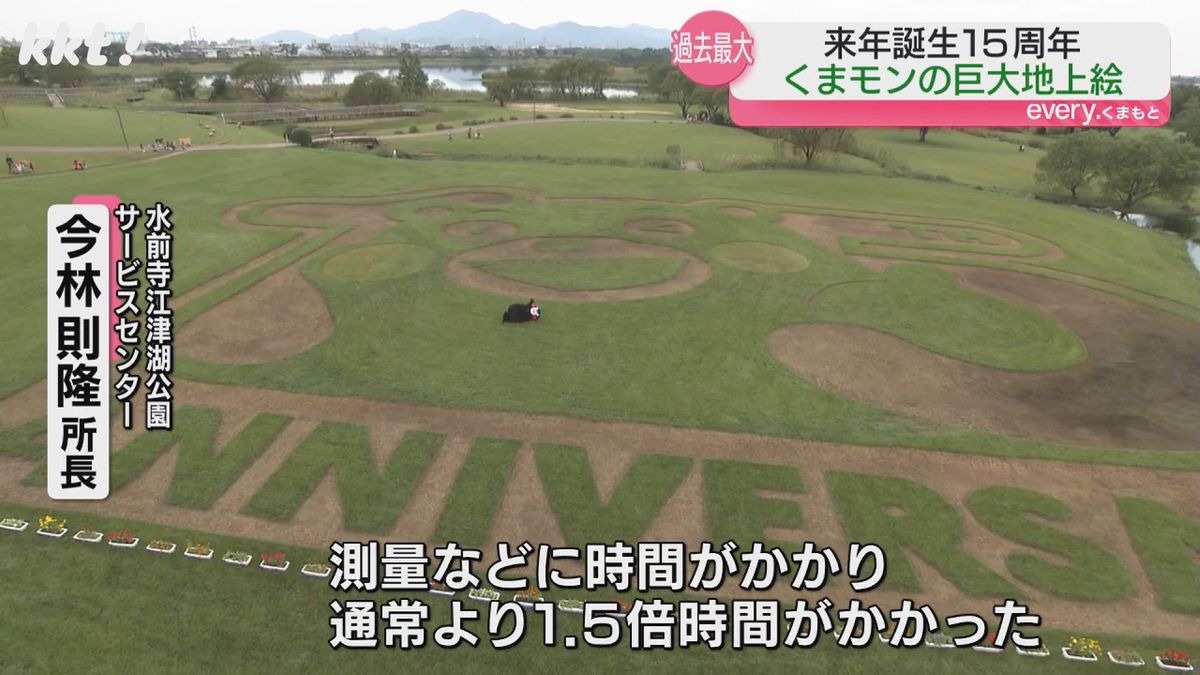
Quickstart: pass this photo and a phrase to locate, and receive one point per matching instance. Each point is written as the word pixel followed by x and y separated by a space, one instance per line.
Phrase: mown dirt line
pixel 460 269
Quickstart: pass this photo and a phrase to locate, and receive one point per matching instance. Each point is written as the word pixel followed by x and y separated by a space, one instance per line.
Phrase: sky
pixel 221 19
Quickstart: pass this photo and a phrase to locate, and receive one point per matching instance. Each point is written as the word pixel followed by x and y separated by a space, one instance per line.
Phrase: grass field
pixel 342 376
pixel 29 125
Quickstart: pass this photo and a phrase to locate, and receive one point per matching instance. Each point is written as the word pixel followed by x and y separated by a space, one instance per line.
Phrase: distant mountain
pixel 296 36
pixel 478 29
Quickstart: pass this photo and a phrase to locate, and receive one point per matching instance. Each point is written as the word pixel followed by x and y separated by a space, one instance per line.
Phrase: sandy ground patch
pixel 738 212
pixel 1136 389
pixel 479 229
pixel 460 269
pixel 280 316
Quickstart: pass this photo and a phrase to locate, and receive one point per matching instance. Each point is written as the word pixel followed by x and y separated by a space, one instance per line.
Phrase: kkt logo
pixel 63 47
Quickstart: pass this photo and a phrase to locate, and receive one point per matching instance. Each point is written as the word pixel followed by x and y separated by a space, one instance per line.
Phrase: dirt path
pixel 828 230
pixel 460 269
pixel 524 512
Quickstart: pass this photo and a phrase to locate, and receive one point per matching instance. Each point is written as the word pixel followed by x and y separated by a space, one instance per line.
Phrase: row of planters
pixel 49 526
pixel 1081 649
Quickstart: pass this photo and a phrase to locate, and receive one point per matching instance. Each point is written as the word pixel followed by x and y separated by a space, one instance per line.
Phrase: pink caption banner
pixel 110 202
pixel 1048 113
pixel 715 48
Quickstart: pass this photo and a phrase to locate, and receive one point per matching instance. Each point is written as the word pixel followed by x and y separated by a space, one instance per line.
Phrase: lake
pixel 462 78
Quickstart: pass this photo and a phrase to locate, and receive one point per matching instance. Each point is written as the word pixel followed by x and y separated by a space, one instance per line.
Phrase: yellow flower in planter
pixel 49 522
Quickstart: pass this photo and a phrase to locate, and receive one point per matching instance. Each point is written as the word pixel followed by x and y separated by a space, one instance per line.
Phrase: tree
pixel 1187 121
pixel 1072 162
pixel 714 100
pixel 371 89
pixel 179 81
pixel 268 77
pixel 807 141
pixel 64 74
pixel 411 79
pixel 220 89
pixel 11 69
pixel 1138 167
pixel 676 87
pixel 498 86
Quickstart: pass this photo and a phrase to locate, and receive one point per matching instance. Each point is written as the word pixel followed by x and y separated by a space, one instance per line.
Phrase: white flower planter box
pixel 1066 652
pixel 275 568
pixel 1041 654
pixel 481 595
pixel 56 534
pixel 164 551
pixel 18 526
pixel 198 556
pixel 569 609
pixel 939 645
pixel 89 537
pixel 988 650
pixel 1175 669
pixel 526 602
pixel 321 573
pixel 442 591
pixel 124 544
pixel 240 561
pixel 1128 664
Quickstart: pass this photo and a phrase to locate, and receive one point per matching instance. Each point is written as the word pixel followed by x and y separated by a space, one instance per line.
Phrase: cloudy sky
pixel 221 19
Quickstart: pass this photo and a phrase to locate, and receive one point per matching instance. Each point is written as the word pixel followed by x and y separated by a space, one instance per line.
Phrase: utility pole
pixel 120 122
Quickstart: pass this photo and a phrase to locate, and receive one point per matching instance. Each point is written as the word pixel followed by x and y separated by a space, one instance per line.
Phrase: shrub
pixel 566 116
pixel 443 127
pixel 539 116
pixel 1178 222
pixel 512 118
pixel 413 129
pixel 301 137
pixel 1036 143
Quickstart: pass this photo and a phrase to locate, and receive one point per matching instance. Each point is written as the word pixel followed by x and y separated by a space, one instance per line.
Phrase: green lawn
pixel 959 157
pixel 725 379
pixel 696 359
pixel 917 303
pixel 33 125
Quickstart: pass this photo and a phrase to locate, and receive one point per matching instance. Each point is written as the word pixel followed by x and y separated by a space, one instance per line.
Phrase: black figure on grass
pixel 519 313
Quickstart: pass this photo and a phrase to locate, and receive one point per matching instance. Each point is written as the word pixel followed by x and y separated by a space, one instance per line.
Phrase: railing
pixel 323 114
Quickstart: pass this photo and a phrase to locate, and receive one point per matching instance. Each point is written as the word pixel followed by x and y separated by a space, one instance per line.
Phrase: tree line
pixel 269 79
pixel 577 77
pixel 1127 169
